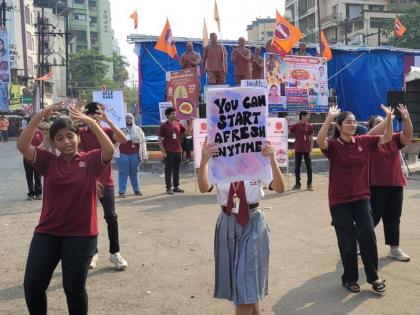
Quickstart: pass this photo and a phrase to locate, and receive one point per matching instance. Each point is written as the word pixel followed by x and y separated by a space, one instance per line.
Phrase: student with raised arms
pixel 349 194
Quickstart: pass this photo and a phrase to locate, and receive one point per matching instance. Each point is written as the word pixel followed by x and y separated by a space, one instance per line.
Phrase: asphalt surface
pixel 168 242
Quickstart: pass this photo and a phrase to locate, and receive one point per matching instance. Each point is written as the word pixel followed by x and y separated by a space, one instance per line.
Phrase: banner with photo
pixel 162 107
pixel 182 90
pixel 296 83
pixel 4 70
pixel 237 122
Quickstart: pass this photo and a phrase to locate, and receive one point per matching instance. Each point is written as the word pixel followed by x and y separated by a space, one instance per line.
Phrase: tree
pixel 411 38
pixel 88 70
pixel 119 64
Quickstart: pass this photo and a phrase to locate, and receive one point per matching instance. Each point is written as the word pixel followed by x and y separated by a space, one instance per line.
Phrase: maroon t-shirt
pixel 385 164
pixel 89 142
pixel 303 136
pixel 167 130
pixel 349 168
pixel 129 147
pixel 69 196
pixel 37 138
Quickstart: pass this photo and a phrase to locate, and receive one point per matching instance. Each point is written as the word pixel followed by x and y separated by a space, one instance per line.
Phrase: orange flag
pixel 166 42
pixel 135 18
pixel 205 34
pixel 285 35
pixel 45 77
pixel 326 50
pixel 216 15
pixel 399 29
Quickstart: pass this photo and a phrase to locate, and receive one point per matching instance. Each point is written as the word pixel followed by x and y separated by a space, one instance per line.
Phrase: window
pixel 92 4
pixel 269 34
pixel 93 19
pixel 80 17
pixel 81 36
pixel 376 8
pixel 30 66
pixel 79 1
pixel 358 25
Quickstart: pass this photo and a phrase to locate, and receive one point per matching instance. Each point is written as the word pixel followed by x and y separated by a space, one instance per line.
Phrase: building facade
pixel 354 22
pixel 261 29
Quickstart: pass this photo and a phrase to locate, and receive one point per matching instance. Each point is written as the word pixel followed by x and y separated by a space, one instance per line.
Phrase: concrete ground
pixel 168 242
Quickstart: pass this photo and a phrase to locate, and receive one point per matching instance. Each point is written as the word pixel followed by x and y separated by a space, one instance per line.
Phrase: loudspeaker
pixel 394 98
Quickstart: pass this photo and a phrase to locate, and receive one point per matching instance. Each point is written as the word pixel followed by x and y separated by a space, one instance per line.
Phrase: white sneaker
pixel 119 261
pixel 94 261
pixel 398 254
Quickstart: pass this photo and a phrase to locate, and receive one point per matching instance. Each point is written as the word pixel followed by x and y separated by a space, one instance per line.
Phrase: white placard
pixel 162 107
pixel 260 83
pixel 277 134
pixel 114 106
pixel 199 136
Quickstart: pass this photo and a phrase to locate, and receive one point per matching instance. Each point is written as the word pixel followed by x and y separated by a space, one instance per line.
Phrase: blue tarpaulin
pixel 361 76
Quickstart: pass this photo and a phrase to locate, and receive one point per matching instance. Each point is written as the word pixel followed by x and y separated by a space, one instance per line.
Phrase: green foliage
pixel 411 39
pixel 88 71
pixel 119 64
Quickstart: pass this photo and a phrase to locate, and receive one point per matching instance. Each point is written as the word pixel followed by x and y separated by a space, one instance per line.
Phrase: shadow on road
pixel 324 295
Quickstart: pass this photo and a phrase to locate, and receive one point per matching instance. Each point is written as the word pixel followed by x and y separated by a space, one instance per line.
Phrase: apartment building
pixel 261 29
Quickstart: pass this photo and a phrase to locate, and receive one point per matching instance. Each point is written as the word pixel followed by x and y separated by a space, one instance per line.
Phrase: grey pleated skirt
pixel 241 257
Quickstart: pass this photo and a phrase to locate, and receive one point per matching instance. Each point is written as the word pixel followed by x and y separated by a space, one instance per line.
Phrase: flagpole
pixel 319 28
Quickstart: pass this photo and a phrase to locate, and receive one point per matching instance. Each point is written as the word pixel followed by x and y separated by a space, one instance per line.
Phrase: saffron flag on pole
pixel 285 35
pixel 216 15
pixel 45 77
pixel 205 34
pixel 166 42
pixel 135 18
pixel 399 28
pixel 325 47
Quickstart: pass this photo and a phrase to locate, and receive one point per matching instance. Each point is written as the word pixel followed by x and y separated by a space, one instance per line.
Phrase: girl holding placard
pixel 242 235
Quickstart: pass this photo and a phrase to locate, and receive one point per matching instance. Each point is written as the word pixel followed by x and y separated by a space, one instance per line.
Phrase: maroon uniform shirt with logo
pixel 303 136
pixel 385 167
pixel 170 142
pixel 89 142
pixel 349 168
pixel 69 197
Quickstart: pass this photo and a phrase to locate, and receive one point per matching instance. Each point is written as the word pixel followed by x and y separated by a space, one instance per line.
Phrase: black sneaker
pixel 30 198
pixel 170 192
pixel 38 197
pixel 296 187
pixel 138 193
pixel 178 190
pixel 309 187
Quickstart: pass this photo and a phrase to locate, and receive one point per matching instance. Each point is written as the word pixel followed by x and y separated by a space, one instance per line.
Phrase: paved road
pixel 168 241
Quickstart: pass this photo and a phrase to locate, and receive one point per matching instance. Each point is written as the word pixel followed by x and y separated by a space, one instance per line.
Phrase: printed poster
pixel 4 70
pixel 162 107
pixel 199 136
pixel 296 83
pixel 278 134
pixel 182 90
pixel 237 122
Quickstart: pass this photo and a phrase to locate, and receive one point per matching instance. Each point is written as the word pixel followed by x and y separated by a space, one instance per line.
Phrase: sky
pixel 186 18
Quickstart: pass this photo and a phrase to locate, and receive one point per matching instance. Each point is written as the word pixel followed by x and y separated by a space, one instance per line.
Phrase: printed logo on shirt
pixel 82 164
pixel 360 148
pixel 253 182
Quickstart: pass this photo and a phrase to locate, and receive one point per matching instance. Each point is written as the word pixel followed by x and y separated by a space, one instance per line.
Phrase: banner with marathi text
pixel 296 83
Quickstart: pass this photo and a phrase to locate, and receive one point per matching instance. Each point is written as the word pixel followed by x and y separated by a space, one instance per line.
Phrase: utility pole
pixel 3 13
pixel 66 40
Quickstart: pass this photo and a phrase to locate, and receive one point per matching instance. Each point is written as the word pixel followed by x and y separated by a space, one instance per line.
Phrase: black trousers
pixel 45 252
pixel 353 222
pixel 387 205
pixel 32 176
pixel 172 162
pixel 108 204
pixel 298 163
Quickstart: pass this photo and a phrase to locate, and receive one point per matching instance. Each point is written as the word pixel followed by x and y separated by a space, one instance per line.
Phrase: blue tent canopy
pixel 361 76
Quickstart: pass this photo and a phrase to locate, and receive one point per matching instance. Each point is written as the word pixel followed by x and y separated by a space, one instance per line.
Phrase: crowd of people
pixel 73 154
pixel 77 161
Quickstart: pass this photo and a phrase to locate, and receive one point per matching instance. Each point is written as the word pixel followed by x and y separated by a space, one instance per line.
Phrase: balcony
pixel 290 2
pixel 330 20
